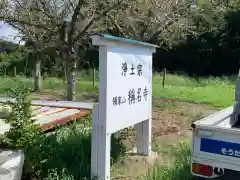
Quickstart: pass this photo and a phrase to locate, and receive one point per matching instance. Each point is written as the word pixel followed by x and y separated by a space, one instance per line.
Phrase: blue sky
pixel 8 33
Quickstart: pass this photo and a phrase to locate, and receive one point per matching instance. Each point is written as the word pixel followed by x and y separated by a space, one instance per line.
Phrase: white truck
pixel 215 147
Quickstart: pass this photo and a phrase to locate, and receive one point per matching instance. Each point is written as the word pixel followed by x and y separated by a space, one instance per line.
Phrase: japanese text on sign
pixel 134 96
pixel 129 86
pixel 230 152
pixel 133 70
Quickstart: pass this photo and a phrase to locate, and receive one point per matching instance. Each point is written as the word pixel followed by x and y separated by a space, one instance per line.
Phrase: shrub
pixel 24 134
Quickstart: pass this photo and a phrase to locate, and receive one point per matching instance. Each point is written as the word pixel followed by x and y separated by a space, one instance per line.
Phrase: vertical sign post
pixel 125 97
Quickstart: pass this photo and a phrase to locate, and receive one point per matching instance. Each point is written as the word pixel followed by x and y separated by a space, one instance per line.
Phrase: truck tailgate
pixel 214 138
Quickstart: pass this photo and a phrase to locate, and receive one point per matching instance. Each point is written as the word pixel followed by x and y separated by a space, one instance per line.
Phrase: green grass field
pixel 73 163
pixel 217 92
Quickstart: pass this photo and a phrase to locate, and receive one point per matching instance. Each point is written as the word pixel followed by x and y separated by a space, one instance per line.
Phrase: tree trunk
pixel 65 78
pixel 37 75
pixel 14 71
pixel 71 79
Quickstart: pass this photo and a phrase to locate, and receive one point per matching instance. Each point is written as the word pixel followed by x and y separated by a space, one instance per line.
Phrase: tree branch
pixel 18 3
pixel 104 13
pixel 16 27
pixel 87 26
pixel 74 20
pixel 45 13
pixel 119 29
pixel 159 30
pixel 133 31
pixel 11 20
pixel 71 4
pixel 94 18
pixel 142 31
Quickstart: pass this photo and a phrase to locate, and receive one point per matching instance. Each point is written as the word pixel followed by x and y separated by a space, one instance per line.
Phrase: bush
pixel 24 134
pixel 64 154
pixel 10 60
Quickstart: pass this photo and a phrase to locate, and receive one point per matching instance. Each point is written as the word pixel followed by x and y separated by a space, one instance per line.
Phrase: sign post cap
pixel 103 39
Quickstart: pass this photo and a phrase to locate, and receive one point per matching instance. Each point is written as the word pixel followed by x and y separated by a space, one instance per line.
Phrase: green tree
pixel 157 21
pixel 65 25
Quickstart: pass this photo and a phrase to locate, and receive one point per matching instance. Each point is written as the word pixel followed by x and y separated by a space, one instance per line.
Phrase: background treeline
pixel 198 38
pixel 213 49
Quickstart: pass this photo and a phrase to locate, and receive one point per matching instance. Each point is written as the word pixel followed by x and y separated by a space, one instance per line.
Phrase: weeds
pixel 65 155
pixel 23 134
pixel 181 169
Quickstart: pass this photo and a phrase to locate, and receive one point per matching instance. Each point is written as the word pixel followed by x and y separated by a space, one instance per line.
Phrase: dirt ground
pixel 170 125
pixel 171 122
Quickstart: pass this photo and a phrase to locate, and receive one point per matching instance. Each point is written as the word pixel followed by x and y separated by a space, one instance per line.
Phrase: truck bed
pixel 225 118
pixel 216 140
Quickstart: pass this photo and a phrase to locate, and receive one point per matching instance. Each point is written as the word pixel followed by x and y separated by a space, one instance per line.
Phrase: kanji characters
pixel 132 70
pixel 145 93
pixel 139 97
pixel 115 101
pixel 138 67
pixel 118 100
pixel 131 96
pixel 124 69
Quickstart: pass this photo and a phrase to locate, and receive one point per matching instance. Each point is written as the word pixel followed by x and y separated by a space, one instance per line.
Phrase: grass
pixel 163 105
pixel 180 169
pixel 47 83
pixel 217 92
pixel 66 154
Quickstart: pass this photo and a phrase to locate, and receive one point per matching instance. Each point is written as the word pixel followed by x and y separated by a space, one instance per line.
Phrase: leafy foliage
pixel 58 28
pixel 22 127
pixel 16 58
pixel 161 22
pixel 212 50
pixel 24 133
pixel 200 41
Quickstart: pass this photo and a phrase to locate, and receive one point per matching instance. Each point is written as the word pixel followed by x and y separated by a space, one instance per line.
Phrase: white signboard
pixel 129 86
pixel 125 97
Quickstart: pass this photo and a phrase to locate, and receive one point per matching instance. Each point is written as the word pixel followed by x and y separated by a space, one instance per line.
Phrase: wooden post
pixel 95 140
pixel 164 77
pixel 37 75
pixel 14 71
pixel 26 68
pixel 5 71
pixel 94 77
